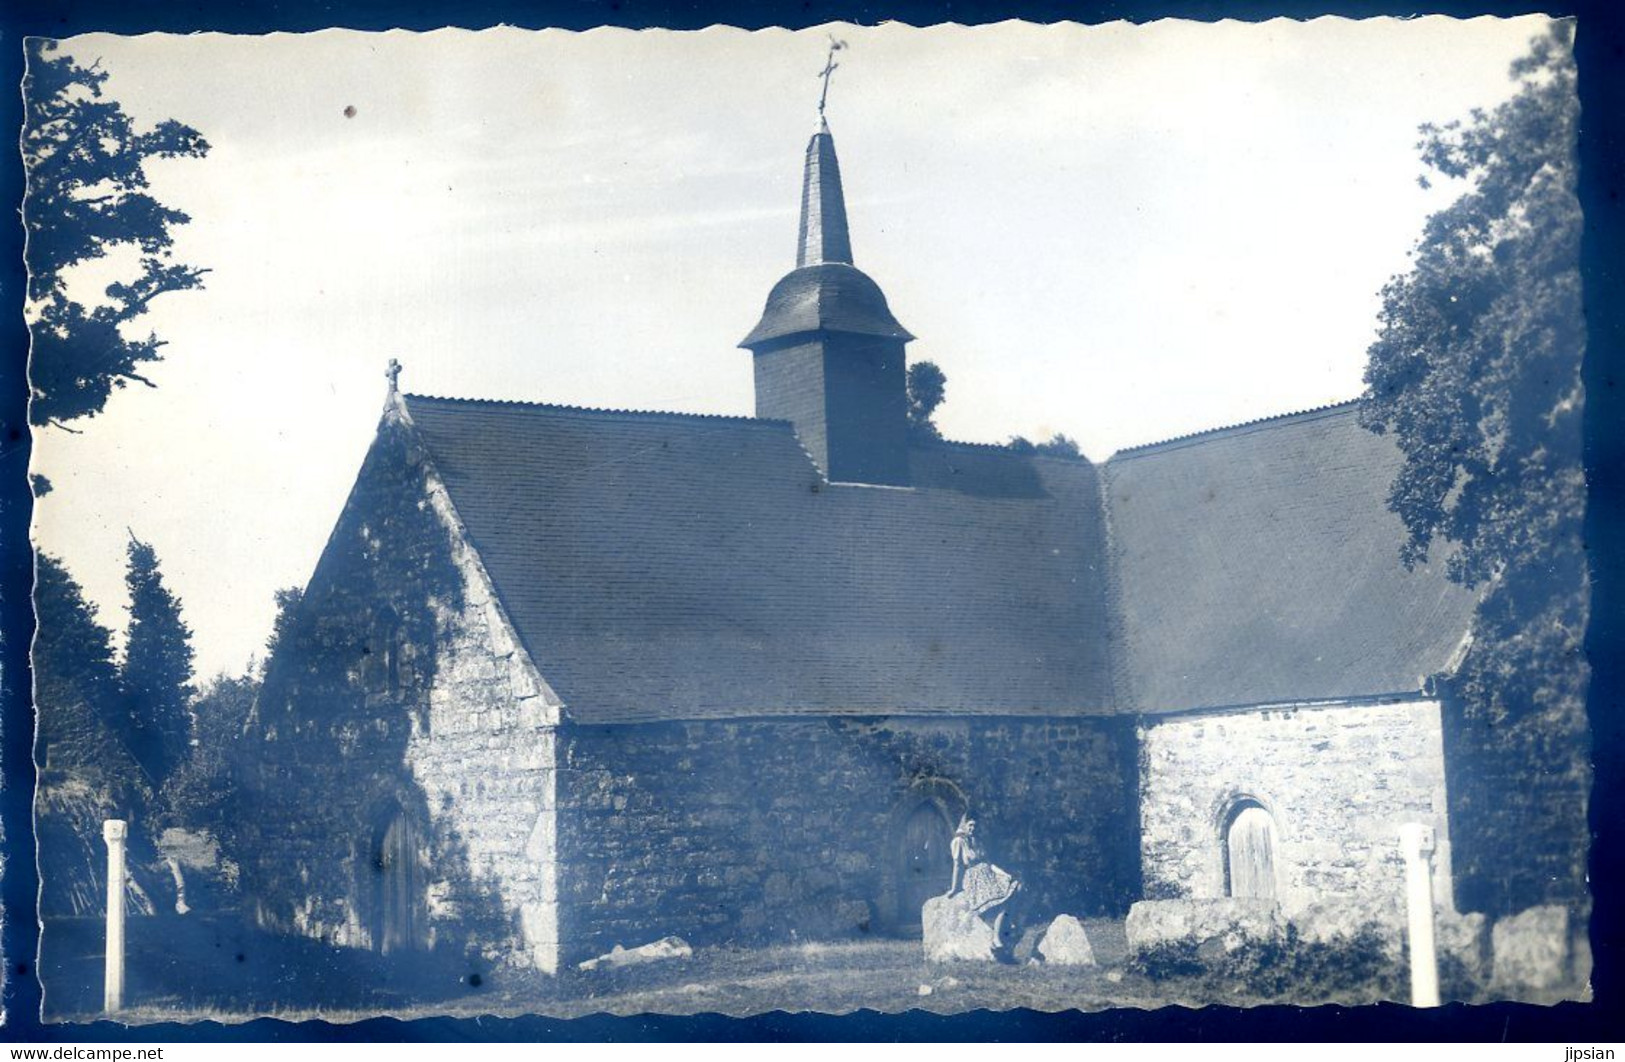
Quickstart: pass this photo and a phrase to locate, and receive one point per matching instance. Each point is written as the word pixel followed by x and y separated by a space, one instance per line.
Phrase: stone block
pixel 522 678
pixel 534 713
pixel 1532 949
pixel 954 932
pixel 1467 938
pixel 1338 921
pixel 539 924
pixel 1212 925
pixel 664 948
pixel 1066 944
pixel 501 637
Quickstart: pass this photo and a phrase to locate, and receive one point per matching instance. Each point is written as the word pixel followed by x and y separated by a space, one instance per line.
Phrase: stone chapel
pixel 565 678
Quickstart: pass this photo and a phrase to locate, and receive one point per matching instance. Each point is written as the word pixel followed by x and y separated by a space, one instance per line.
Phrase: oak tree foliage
pixel 1475 374
pixel 87 196
pixel 927 387
pixel 1058 445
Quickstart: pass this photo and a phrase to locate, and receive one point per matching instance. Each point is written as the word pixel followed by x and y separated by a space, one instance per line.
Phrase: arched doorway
pixel 397 916
pixel 924 867
pixel 1249 852
pixel 916 865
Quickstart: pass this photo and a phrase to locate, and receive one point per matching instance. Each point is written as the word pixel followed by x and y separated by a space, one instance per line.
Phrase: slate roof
pixel 662 566
pixel 828 297
pixel 824 236
pixel 1259 564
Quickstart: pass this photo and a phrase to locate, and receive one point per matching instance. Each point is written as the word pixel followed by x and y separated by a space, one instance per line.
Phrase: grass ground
pixel 195 970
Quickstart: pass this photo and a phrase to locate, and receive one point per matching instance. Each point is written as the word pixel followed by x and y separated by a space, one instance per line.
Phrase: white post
pixel 1416 844
pixel 113 832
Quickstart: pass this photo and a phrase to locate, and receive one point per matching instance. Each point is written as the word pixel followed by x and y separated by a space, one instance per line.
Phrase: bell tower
pixel 828 353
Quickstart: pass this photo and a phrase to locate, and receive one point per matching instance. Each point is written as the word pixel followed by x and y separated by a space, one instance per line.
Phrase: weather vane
pixel 829 68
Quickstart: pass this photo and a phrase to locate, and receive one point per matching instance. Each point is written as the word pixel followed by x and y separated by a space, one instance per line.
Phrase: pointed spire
pixel 824 235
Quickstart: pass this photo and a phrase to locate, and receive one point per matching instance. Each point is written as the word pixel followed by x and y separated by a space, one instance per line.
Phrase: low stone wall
pixel 1210 926
pixel 1337 782
pixel 779 829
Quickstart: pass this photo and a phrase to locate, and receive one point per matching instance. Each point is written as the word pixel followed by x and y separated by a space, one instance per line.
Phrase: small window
pixel 1249 852
pixel 385 648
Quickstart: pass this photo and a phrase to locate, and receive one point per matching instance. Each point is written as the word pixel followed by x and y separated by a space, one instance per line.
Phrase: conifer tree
pixel 288 600
pixel 157 673
pixel 76 689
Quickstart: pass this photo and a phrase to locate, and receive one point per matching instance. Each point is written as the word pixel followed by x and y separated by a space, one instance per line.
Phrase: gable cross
pixel 393 373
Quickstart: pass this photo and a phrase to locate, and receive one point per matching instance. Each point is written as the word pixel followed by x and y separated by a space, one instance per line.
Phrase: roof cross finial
pixel 393 373
pixel 830 66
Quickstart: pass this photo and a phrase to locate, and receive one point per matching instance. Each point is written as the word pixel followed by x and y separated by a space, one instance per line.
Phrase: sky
pixel 1121 233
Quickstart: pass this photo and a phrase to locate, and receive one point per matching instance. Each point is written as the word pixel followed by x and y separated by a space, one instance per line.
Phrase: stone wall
pixel 400 694
pixel 750 831
pixel 1337 781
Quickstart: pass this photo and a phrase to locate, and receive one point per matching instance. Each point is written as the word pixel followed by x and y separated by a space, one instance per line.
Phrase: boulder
pixel 1066 944
pixel 954 932
pixel 1532 949
pixel 1215 926
pixel 664 948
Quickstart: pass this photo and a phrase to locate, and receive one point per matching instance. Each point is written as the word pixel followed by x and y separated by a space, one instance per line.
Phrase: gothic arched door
pixel 397 885
pixel 1249 849
pixel 924 868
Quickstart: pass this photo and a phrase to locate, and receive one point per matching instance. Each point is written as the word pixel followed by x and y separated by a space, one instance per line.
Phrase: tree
pixel 201 792
pixel 287 600
pixel 87 770
pixel 86 196
pixel 157 674
pixel 927 387
pixel 1059 445
pixel 1475 375
pixel 204 792
pixel 76 689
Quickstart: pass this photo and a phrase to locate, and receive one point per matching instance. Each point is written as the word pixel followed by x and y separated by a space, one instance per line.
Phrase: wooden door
pixel 924 868
pixel 1250 853
pixel 397 918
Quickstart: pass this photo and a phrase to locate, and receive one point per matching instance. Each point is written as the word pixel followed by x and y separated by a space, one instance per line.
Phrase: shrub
pixel 1291 969
pixel 1168 959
